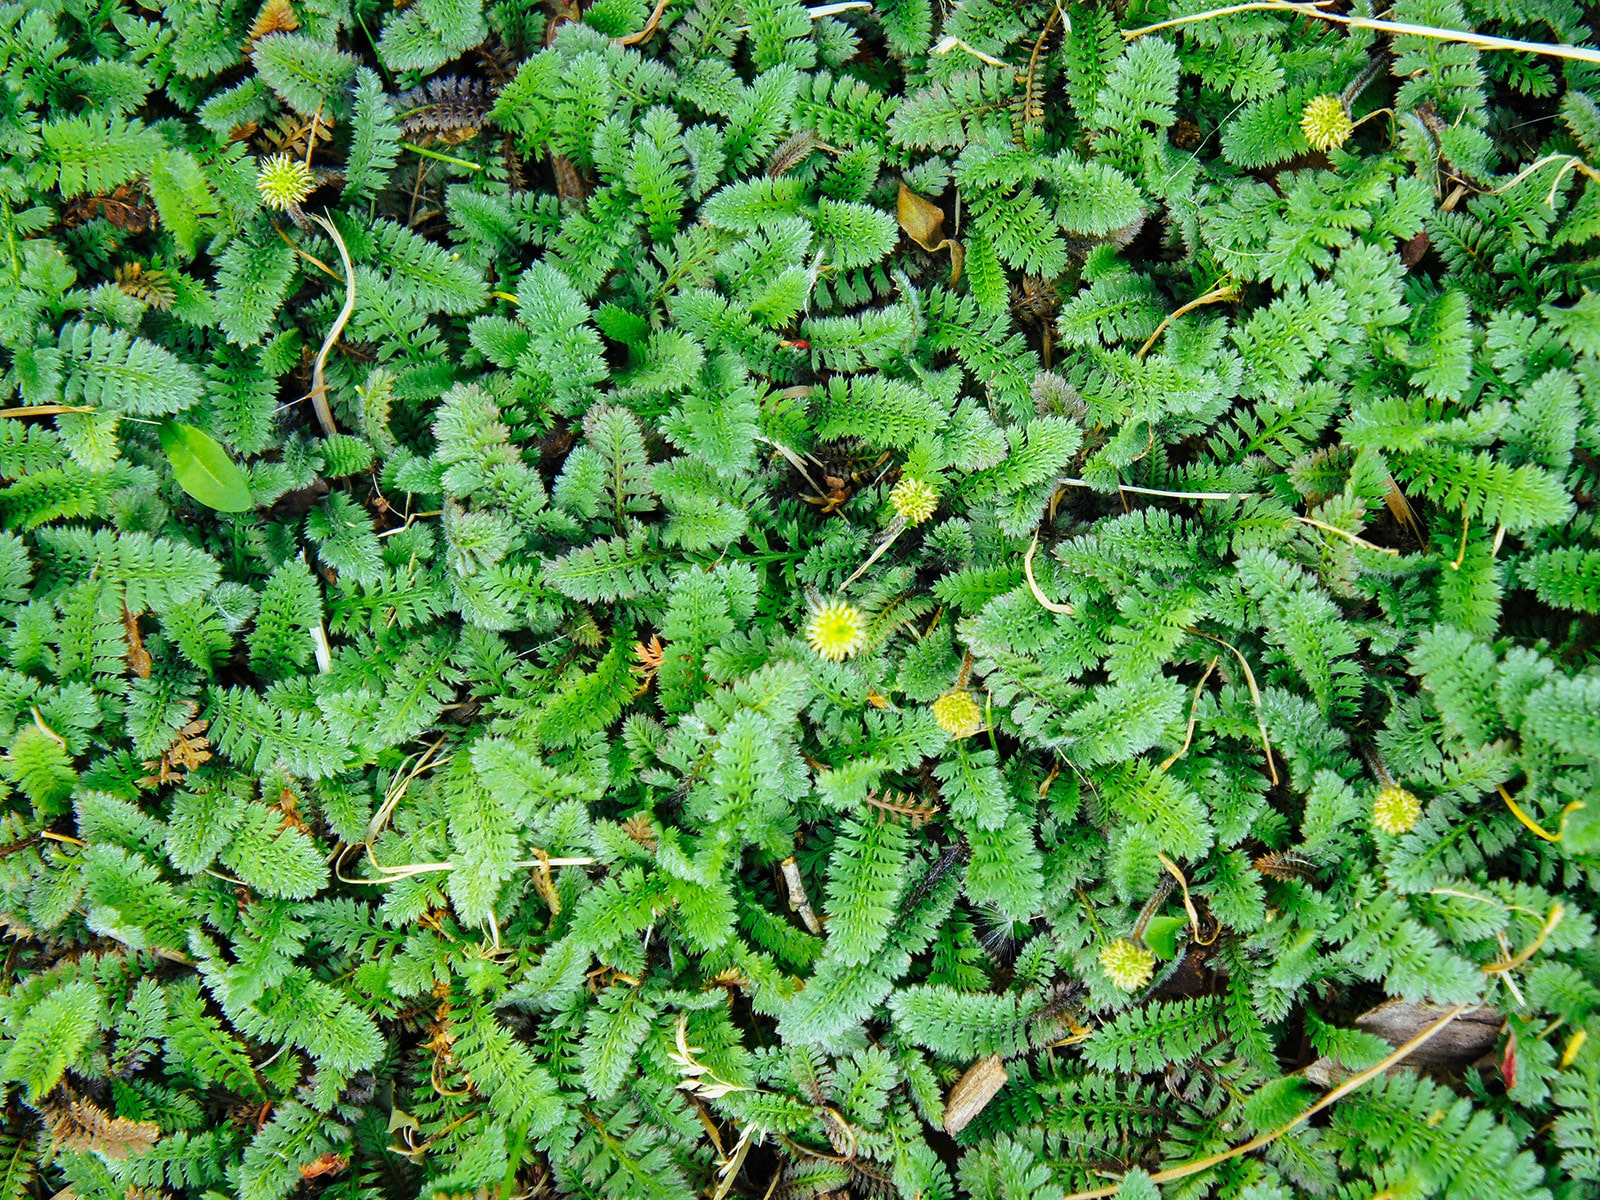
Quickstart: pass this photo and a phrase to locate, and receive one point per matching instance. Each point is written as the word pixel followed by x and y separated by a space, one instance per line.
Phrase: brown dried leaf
pixel 124 208
pixel 642 829
pixel 151 287
pixel 1400 507
pixel 791 153
pixel 81 1126
pixel 1285 865
pixel 189 750
pixel 650 656
pixel 896 807
pixel 923 222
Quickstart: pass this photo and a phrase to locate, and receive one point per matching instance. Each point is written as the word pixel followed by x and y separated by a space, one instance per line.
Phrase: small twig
pixel 324 652
pixel 1511 964
pixel 1188 902
pixel 795 461
pixel 1461 557
pixel 1144 491
pixel 47 410
pixel 1065 610
pixel 1529 823
pixel 40 723
pixel 1482 41
pixel 955 43
pixel 1346 534
pixel 398 871
pixel 396 790
pixel 645 34
pixel 1339 1093
pixel 1194 716
pixel 307 255
pixel 1218 294
pixel 1255 696
pixel 319 385
pixel 311 138
pixel 896 528
pixel 437 157
pixel 798 900
pixel 1570 162
pixel 411 520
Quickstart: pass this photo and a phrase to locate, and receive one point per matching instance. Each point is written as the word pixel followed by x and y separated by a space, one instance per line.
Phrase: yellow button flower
pixel 1127 965
pixel 1326 123
pixel 1395 810
pixel 836 630
pixel 283 181
pixel 958 714
pixel 914 500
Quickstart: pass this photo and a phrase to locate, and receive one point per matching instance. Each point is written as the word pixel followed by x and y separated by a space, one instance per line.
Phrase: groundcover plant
pixel 895 599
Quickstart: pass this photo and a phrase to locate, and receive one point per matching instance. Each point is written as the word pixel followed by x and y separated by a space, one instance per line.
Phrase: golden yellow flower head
pixel 1127 965
pixel 1396 810
pixel 283 181
pixel 836 630
pixel 914 499
pixel 958 714
pixel 1326 123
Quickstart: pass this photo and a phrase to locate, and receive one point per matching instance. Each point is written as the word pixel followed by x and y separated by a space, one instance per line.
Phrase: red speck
pixel 1508 1061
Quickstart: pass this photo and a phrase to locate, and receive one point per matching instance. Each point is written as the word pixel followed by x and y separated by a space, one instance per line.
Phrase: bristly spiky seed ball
pixel 958 714
pixel 1127 965
pixel 284 181
pixel 836 630
pixel 1395 811
pixel 1326 123
pixel 914 500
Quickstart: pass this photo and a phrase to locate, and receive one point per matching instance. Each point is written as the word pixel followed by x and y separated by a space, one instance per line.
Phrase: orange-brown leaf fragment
pixel 139 661
pixel 324 1164
pixel 275 17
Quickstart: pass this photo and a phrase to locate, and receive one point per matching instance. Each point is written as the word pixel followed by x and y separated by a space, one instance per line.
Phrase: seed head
pixel 1326 123
pixel 836 630
pixel 914 499
pixel 1127 965
pixel 1395 810
pixel 958 714
pixel 283 181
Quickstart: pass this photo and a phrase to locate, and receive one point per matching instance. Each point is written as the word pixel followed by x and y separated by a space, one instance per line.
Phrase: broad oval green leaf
pixel 1161 935
pixel 204 470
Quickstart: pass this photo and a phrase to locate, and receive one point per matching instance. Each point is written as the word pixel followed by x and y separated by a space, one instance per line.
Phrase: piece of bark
pixel 972 1092
pixel 1464 1041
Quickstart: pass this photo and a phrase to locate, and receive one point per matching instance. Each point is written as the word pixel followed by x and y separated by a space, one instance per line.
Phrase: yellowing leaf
pixel 923 222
